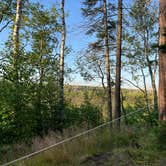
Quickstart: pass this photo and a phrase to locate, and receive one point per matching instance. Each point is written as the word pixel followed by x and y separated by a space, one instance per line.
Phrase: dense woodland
pixel 128 47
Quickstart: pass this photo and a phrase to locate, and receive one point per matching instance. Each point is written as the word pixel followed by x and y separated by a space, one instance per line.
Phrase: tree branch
pixel 5 26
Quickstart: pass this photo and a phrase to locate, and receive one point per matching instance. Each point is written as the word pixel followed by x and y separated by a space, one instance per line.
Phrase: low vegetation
pixel 79 117
pixel 136 145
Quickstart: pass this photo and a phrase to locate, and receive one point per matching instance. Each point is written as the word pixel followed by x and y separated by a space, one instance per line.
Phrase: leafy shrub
pixel 85 114
pixel 161 137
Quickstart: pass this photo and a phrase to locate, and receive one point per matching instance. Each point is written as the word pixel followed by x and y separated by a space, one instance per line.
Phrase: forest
pixel 82 82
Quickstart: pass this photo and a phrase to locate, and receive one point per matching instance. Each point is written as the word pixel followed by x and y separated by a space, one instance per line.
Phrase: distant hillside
pixel 79 94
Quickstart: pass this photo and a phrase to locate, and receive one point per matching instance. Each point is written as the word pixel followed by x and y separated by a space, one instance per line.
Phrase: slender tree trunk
pixel 162 61
pixel 146 96
pixel 123 109
pixel 107 63
pixel 155 102
pixel 16 44
pixel 16 54
pixel 39 118
pixel 118 65
pixel 61 62
pixel 145 91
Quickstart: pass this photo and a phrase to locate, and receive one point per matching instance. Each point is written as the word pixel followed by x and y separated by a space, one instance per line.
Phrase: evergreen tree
pixel 100 24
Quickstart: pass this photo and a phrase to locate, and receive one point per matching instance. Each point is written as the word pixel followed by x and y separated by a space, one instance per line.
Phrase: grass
pixel 130 146
pixel 74 152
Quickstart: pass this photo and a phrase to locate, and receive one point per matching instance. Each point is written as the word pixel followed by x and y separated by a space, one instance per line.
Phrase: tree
pixel 143 34
pixel 91 66
pixel 6 12
pixel 16 44
pixel 43 29
pixel 16 64
pixel 61 61
pixel 101 25
pixel 162 60
pixel 107 62
pixel 118 65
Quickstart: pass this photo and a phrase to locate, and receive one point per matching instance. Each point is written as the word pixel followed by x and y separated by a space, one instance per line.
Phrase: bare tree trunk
pixel 162 61
pixel 61 61
pixel 16 44
pixel 107 63
pixel 123 109
pixel 118 65
pixel 16 54
pixel 145 91
pixel 155 102
pixel 39 94
pixel 146 96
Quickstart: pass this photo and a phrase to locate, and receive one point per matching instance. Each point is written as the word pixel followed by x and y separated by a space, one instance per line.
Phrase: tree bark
pixel 38 110
pixel 162 61
pixel 107 63
pixel 16 54
pixel 153 83
pixel 145 91
pixel 61 61
pixel 16 44
pixel 118 65
pixel 146 96
pixel 123 109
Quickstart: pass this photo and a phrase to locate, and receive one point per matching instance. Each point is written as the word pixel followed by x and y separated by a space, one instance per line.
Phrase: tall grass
pixel 130 146
pixel 76 151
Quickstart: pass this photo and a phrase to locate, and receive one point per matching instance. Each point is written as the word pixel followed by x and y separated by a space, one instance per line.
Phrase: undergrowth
pixel 130 146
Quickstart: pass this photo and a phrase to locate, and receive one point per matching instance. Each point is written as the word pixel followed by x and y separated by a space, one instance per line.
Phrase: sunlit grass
pixel 129 146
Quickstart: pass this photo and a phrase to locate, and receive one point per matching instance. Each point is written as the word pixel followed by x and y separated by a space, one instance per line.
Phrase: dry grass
pixel 76 151
pixel 101 146
pixel 73 152
pixel 11 152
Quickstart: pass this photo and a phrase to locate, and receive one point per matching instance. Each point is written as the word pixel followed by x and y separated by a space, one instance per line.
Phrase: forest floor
pixel 131 146
pixel 123 158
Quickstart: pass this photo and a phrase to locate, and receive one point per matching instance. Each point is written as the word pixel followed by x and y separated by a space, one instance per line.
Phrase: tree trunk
pixel 16 44
pixel 162 61
pixel 16 80
pixel 61 62
pixel 123 109
pixel 38 110
pixel 153 83
pixel 107 63
pixel 118 65
pixel 146 96
pixel 145 91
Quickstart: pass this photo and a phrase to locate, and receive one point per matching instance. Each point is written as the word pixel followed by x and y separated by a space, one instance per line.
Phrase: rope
pixel 68 139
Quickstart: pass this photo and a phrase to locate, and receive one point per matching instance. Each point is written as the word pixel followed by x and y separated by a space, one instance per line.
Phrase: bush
pixel 86 114
pixel 161 137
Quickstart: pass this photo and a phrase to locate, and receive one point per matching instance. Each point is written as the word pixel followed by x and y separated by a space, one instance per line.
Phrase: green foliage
pixel 143 115
pixel 91 62
pixel 162 48
pixel 29 88
pixel 132 145
pixel 6 13
pixel 85 115
pixel 161 136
